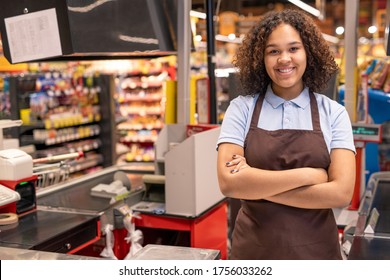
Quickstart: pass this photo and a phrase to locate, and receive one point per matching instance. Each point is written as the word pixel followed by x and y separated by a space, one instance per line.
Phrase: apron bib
pixel 267 230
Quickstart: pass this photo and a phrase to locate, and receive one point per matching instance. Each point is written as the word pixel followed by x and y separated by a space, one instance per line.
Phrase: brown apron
pixel 267 230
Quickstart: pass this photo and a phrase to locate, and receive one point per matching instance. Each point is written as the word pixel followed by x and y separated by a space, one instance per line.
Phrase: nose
pixel 284 58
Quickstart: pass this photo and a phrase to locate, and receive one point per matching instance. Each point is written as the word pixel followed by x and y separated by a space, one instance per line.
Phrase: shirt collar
pixel 301 101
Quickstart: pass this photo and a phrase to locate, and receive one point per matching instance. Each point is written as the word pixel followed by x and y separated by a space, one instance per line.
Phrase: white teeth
pixel 285 70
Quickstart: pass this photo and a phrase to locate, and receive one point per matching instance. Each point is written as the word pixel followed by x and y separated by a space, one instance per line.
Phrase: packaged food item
pixel 370 66
pixel 379 76
pixel 386 85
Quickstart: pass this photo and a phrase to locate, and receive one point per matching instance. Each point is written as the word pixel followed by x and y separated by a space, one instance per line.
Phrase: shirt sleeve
pixel 234 124
pixel 342 136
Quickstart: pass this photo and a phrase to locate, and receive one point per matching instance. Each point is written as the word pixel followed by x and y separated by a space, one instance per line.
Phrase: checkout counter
pixel 371 239
pixel 149 252
pixel 66 218
pixel 69 217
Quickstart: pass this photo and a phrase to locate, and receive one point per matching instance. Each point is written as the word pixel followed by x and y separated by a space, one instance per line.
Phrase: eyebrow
pixel 290 44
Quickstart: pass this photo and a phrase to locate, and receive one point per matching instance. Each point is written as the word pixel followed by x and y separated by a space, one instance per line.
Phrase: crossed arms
pixel 300 187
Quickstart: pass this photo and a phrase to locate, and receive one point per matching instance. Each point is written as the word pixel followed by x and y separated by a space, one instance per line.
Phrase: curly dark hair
pixel 249 58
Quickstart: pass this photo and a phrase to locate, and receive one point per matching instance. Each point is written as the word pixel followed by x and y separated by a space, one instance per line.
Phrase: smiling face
pixel 285 61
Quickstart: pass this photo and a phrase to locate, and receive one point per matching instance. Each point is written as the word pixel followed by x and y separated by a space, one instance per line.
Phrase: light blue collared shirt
pixel 278 113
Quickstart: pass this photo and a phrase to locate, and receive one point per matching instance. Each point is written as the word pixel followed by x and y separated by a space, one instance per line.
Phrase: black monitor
pixel 42 29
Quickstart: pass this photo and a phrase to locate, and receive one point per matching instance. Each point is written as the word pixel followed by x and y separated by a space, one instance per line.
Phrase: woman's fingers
pixel 235 161
pixel 239 162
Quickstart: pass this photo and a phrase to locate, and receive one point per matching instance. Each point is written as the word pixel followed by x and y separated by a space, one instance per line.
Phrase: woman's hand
pixel 238 163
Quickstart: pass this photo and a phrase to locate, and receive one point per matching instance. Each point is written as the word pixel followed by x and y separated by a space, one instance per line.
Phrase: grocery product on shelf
pixel 62 114
pixel 5 105
pixel 140 98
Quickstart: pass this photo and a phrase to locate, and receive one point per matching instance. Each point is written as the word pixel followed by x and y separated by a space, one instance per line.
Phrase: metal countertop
pixel 7 253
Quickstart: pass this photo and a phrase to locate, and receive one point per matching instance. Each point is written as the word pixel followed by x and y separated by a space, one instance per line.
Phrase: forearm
pixel 321 196
pixel 333 194
pixel 253 183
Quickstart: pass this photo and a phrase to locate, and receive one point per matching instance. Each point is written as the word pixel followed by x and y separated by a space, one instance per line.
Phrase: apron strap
pixel 256 111
pixel 315 116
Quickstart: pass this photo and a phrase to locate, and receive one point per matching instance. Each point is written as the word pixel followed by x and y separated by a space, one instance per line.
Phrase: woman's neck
pixel 288 93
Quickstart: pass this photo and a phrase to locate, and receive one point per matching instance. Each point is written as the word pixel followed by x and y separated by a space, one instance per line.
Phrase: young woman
pixel 285 150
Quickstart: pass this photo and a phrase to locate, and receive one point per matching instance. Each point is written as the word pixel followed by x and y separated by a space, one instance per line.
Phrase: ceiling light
pixel 198 38
pixel 330 38
pixel 226 39
pixel 372 29
pixel 306 7
pixel 198 14
pixel 232 36
pixel 339 30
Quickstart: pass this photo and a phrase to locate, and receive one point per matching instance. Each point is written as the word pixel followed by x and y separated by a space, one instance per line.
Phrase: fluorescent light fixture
pixel 224 72
pixel 198 14
pixel 306 7
pixel 228 39
pixel 330 38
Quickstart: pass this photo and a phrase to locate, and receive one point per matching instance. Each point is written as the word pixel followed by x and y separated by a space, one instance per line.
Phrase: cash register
pixel 16 174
